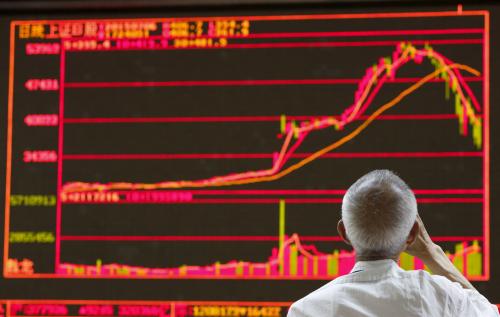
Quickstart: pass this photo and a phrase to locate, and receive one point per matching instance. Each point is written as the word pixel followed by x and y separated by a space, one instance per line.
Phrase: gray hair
pixel 378 212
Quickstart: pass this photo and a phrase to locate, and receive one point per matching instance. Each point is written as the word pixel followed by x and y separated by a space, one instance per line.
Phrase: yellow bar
pixel 293 260
pixel 283 123
pixel 315 265
pixel 281 235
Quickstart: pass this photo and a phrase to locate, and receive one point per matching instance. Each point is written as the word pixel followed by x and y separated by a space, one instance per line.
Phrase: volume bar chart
pixel 292 259
pixel 221 147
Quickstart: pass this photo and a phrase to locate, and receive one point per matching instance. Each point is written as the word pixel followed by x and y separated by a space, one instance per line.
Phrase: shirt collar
pixel 378 265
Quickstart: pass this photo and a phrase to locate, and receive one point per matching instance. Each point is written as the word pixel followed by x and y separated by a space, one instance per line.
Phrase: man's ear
pixel 413 233
pixel 342 232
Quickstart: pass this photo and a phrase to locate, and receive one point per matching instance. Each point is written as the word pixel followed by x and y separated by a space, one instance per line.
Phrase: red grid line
pixel 245 82
pixel 443 116
pixel 196 156
pixel 233 238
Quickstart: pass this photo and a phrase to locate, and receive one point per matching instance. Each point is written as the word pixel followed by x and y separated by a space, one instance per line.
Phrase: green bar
pixel 459 112
pixel 283 123
pixel 281 234
pixel 458 106
pixel 375 69
pixel 295 130
pixel 217 268
pixel 332 265
pixel 336 262
pixel 458 260
pixel 477 133
pixel 239 268
pixel 388 65
pixel 293 260
pixel 329 264
pixel 447 90
pixel 406 261
pixel 475 261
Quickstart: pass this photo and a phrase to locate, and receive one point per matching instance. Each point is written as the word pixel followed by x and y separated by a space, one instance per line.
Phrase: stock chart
pixel 219 147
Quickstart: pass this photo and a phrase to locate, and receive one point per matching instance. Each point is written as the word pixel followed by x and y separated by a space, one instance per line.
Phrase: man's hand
pixel 433 256
pixel 423 246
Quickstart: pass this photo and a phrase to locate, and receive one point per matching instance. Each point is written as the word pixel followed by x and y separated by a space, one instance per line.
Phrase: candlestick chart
pixel 220 148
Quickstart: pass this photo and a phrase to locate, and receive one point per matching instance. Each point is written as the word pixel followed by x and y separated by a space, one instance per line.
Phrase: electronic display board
pixel 200 148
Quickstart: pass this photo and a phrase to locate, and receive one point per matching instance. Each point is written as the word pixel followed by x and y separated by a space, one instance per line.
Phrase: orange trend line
pixel 357 131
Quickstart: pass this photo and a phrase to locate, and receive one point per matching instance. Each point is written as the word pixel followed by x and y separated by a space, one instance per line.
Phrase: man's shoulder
pixel 326 299
pixel 356 289
pixel 317 303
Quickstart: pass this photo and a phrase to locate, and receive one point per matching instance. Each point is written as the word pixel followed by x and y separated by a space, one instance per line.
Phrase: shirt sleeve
pixel 463 302
pixel 475 304
pixel 296 310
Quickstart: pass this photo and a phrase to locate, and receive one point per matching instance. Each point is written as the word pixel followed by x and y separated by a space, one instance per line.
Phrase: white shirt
pixel 382 288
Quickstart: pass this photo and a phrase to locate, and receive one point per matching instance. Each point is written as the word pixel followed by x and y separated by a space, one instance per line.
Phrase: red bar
pixel 282 35
pixel 443 116
pixel 185 156
pixel 253 82
pixel 363 33
pixel 299 17
pixel 437 200
pixel 305 44
pixel 60 160
pixel 165 156
pixel 174 119
pixel 169 238
pixel 268 192
pixel 470 191
pixel 348 44
pixel 234 238
pixel 403 154
pixel 215 192
pixel 456 238
pixel 450 200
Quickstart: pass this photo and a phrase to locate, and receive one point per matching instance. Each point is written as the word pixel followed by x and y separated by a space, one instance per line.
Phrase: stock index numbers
pixel 220 147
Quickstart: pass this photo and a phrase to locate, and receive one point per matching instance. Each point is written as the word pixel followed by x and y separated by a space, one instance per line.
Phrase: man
pixel 380 220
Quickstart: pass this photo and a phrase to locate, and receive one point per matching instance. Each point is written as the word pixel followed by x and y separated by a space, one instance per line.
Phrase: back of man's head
pixel 378 212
